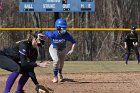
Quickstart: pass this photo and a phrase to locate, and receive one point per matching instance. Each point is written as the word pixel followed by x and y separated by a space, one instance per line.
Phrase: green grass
pixel 90 67
pixel 100 66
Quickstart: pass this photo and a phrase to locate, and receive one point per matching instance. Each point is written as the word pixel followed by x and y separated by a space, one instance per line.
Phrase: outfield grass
pixel 90 67
pixel 101 66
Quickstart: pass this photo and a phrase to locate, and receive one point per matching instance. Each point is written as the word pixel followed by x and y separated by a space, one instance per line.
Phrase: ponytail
pixel 29 37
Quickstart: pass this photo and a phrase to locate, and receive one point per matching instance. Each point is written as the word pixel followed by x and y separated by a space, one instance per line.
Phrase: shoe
pixel 60 77
pixel 55 80
pixel 22 91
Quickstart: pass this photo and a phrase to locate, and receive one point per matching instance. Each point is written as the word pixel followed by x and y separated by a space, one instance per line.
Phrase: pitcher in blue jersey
pixel 57 48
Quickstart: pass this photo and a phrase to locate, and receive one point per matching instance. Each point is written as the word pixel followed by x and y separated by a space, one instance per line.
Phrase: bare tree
pixel 91 45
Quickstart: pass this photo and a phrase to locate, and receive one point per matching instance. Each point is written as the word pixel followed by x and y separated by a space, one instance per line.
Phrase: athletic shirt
pixel 22 51
pixel 59 40
pixel 130 38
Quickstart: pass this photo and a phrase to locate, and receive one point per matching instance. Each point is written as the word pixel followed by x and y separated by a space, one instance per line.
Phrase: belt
pixel 60 49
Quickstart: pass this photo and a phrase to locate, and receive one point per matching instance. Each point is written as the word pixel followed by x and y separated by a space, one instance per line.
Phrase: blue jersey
pixel 59 40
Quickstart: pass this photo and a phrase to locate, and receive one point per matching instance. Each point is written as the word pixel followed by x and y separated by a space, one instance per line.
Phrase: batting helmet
pixel 61 23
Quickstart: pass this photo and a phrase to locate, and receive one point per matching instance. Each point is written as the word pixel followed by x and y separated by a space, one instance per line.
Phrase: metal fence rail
pixel 70 29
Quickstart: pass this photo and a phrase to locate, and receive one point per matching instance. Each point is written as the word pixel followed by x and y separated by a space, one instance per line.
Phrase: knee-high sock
pixel 22 81
pixel 60 70
pixel 127 57
pixel 55 72
pixel 138 57
pixel 10 81
pixel 137 54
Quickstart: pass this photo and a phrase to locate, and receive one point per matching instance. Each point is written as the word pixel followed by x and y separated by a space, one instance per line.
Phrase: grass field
pixel 90 67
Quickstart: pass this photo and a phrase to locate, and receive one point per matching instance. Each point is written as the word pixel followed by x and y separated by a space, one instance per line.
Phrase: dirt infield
pixel 87 83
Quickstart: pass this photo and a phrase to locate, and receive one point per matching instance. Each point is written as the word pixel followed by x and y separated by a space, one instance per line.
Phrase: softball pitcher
pixel 15 59
pixel 131 42
pixel 57 48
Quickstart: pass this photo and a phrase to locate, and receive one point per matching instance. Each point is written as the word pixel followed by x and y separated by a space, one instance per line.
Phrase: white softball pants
pixel 58 57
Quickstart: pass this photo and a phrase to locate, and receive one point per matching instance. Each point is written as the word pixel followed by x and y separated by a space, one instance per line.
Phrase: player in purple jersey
pixel 21 59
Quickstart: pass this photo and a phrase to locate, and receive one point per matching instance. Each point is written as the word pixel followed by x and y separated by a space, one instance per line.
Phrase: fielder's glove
pixel 135 44
pixel 42 89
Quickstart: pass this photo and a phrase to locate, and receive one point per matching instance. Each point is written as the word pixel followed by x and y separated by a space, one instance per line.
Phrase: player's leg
pixel 137 54
pixel 127 55
pixel 26 73
pixel 10 65
pixel 10 81
pixel 62 59
pixel 54 54
pixel 22 81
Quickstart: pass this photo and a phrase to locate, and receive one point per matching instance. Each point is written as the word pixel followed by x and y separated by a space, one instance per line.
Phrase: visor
pixel 40 36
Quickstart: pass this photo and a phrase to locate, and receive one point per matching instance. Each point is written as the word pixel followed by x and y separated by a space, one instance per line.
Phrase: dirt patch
pixel 86 83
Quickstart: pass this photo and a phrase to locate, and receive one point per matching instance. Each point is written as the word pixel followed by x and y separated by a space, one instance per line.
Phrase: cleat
pixel 60 77
pixel 55 80
pixel 22 91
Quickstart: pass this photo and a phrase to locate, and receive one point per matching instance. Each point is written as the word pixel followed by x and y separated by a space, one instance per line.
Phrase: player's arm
pixel 33 57
pixel 125 41
pixel 23 57
pixel 135 43
pixel 137 38
pixel 73 46
pixel 125 45
pixel 48 34
pixel 71 39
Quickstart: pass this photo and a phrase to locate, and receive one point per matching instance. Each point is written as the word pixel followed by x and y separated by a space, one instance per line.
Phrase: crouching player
pixel 21 59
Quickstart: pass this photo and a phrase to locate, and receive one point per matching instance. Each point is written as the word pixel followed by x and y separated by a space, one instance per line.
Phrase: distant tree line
pixel 91 45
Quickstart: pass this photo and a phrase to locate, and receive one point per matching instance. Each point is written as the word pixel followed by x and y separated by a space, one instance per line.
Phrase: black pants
pixel 9 64
pixel 128 53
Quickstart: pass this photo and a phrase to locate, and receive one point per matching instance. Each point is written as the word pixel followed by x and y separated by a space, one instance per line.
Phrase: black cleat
pixel 22 91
